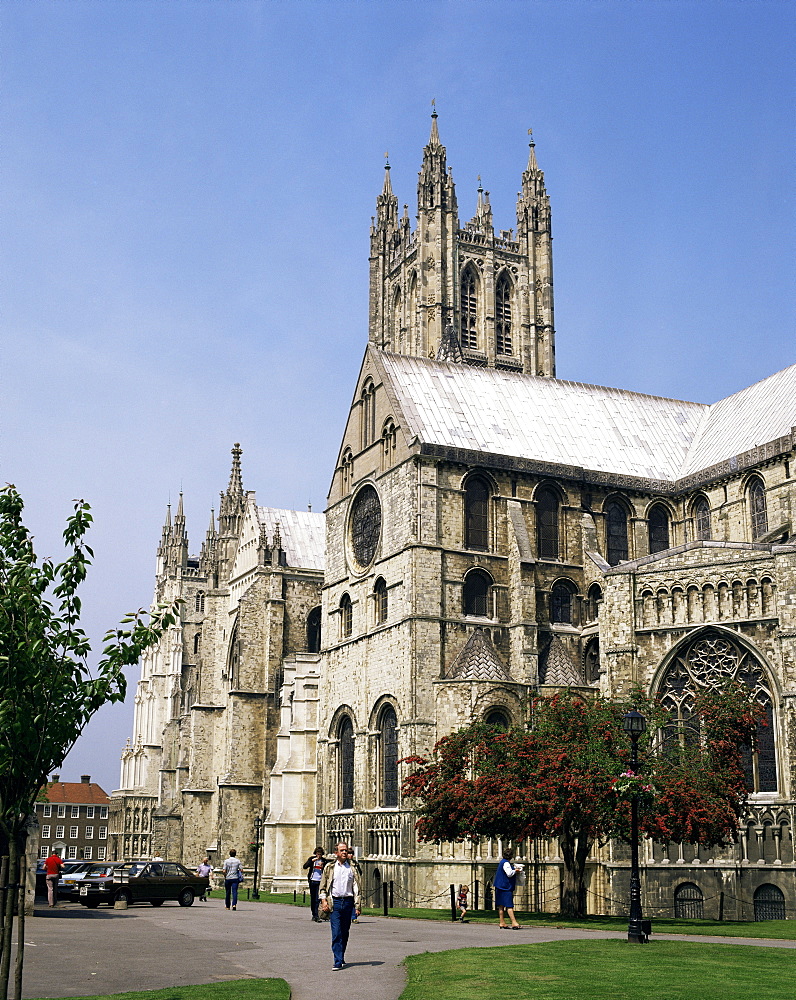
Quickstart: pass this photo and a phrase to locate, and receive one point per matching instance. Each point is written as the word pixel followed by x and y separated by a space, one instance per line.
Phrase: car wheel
pixel 124 896
pixel 157 902
pixel 185 898
pixel 92 904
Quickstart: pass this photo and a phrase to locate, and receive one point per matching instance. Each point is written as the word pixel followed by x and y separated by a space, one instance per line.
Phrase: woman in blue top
pixel 505 878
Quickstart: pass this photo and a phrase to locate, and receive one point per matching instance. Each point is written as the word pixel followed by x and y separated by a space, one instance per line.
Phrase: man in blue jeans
pixel 233 873
pixel 339 896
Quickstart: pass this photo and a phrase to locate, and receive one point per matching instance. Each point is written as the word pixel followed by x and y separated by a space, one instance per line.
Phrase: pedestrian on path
pixel 314 866
pixel 505 880
pixel 52 869
pixel 233 876
pixel 205 869
pixel 339 895
pixel 462 901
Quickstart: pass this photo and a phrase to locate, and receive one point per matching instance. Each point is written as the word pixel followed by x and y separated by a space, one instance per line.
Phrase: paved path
pixel 72 951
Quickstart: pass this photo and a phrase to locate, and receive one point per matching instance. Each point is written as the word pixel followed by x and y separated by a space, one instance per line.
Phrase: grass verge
pixel 603 970
pixel 236 989
pixel 784 930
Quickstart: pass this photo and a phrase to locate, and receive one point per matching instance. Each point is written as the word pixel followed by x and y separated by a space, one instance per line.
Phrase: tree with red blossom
pixel 566 776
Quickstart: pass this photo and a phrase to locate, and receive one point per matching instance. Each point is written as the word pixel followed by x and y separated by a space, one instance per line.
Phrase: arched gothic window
pixel 388 438
pixel 345 734
pixel 547 524
pixel 658 523
pixel 199 602
pixel 197 642
pixel 477 594
pixel 411 320
pixel 347 470
pixel 616 533
pixel 503 342
pixel 593 601
pixel 314 631
pixel 701 516
pixel 476 514
pixel 233 657
pixel 396 320
pixel 757 508
pixel 368 398
pixel 711 659
pixel 388 740
pixel 563 608
pixel 346 616
pixel 497 719
pixel 469 310
pixel 380 600
pixel 591 660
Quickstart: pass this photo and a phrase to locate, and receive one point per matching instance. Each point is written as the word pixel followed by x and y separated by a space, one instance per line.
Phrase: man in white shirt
pixel 339 896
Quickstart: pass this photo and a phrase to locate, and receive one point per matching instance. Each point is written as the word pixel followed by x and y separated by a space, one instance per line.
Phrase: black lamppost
pixel 634 725
pixel 256 887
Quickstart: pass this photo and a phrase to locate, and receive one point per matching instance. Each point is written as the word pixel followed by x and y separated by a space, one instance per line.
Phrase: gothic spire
pixel 235 487
pixel 434 139
pixel 386 203
pixel 435 187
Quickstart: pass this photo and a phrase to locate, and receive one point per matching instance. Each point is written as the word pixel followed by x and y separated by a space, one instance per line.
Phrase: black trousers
pixel 314 887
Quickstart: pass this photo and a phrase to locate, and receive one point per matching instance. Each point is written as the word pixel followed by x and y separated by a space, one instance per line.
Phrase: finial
pixel 309 508
pixel 434 107
pixel 530 133
pixel 386 161
pixel 479 183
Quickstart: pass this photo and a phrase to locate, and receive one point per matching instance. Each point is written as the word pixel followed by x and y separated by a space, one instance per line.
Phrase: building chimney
pixel 86 779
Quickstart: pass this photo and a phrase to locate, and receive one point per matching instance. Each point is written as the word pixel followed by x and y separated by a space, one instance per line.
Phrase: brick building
pixel 73 820
pixel 491 531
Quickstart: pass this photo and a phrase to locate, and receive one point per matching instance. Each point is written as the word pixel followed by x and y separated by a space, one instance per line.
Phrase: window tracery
pixel 709 661
pixel 469 310
pixel 757 508
pixel 345 735
pixel 702 531
pixel 388 739
pixel 503 340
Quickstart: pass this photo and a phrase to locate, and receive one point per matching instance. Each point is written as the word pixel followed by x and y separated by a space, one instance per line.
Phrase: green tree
pixel 47 691
pixel 566 776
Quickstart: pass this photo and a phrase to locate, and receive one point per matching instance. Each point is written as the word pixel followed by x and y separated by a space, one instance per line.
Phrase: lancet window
pixel 547 524
pixel 345 735
pixel 503 339
pixel 346 616
pixel 757 508
pixel 314 631
pixel 368 398
pixel 388 739
pixel 469 310
pixel 712 660
pixel 616 533
pixel 380 600
pixel 476 514
pixel 701 515
pixel 658 524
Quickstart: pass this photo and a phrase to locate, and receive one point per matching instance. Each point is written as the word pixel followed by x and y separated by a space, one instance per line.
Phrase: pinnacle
pixel 235 487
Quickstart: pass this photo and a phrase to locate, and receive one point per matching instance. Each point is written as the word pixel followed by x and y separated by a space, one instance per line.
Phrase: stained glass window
pixel 710 661
pixel 616 532
pixel 365 525
pixel 658 522
pixel 547 524
pixel 389 757
pixel 476 517
pixel 477 590
pixel 345 735
pixel 702 520
pixel 757 508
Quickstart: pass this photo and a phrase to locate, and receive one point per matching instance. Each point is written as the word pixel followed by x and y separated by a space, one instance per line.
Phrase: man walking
pixel 52 875
pixel 339 895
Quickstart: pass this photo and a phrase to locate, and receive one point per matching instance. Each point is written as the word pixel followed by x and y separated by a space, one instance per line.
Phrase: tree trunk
pixel 575 849
pixel 23 887
pixel 9 903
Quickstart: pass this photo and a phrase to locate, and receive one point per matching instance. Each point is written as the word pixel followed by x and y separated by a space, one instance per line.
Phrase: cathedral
pixel 491 532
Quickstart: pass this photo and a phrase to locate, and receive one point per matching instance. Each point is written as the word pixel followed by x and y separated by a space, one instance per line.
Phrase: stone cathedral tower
pixel 456 292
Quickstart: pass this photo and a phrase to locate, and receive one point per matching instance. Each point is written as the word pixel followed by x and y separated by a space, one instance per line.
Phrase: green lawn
pixel 236 989
pixel 604 970
pixel 773 929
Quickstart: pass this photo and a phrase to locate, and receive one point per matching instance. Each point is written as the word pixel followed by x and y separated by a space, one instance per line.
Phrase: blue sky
pixel 186 196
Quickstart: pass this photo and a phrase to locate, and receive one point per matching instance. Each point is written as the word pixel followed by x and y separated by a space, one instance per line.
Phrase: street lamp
pixel 257 826
pixel 634 725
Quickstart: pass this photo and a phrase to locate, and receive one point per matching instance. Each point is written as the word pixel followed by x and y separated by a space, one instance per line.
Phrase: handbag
pixel 519 879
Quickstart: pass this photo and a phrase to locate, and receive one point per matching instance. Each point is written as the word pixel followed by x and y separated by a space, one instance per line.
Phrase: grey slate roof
pixel 556 667
pixel 303 535
pixel 588 426
pixel 478 660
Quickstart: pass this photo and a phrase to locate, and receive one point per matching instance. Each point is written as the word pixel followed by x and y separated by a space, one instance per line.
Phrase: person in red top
pixel 52 868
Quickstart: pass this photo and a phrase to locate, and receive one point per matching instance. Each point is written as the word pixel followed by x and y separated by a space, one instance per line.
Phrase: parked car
pixel 72 873
pixel 142 882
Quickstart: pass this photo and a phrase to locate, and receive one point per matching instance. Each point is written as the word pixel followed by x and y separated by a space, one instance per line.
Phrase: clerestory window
pixel 476 514
pixel 503 339
pixel 469 310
